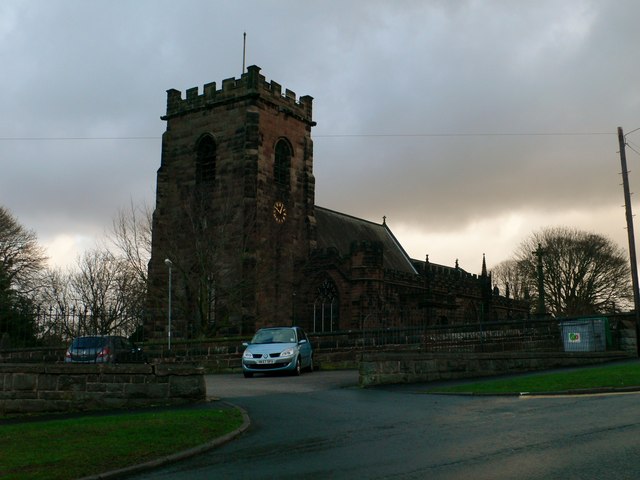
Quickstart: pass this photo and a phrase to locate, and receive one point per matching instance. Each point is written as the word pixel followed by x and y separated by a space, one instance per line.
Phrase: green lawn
pixel 612 376
pixel 73 448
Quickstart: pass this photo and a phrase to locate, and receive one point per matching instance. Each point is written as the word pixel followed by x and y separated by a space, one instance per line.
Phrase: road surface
pixel 321 426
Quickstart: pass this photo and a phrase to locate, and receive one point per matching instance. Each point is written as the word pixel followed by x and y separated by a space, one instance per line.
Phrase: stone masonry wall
pixel 252 257
pixel 29 388
pixel 396 367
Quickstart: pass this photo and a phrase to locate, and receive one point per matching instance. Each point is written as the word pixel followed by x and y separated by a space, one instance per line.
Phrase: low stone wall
pixel 33 355
pixel 29 388
pixel 393 368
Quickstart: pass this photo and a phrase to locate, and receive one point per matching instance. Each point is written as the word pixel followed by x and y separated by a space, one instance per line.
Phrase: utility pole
pixel 632 242
pixel 541 310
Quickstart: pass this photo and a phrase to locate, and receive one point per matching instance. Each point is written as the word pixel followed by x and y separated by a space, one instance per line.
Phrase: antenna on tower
pixel 244 49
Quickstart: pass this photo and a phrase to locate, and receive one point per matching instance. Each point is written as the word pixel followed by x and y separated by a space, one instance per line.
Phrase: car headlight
pixel 289 352
pixel 247 354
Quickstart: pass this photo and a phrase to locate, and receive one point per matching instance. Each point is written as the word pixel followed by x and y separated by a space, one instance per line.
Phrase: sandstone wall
pixel 398 367
pixel 30 388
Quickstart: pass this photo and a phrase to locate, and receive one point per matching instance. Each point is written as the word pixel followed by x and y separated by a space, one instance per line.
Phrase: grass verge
pixel 73 448
pixel 612 376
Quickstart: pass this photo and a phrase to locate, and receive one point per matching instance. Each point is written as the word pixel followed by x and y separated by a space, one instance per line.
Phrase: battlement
pixel 250 83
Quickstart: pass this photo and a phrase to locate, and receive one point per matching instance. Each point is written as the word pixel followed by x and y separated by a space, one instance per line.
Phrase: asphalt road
pixel 321 426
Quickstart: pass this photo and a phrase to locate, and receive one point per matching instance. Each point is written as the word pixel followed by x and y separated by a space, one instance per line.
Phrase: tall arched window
pixel 282 165
pixel 205 160
pixel 325 307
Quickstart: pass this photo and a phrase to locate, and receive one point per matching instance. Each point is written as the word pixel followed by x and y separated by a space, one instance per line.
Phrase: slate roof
pixel 338 230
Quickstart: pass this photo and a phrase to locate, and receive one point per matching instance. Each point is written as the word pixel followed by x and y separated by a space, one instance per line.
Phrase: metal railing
pixel 529 335
pixel 523 336
pixel 55 326
pixel 508 336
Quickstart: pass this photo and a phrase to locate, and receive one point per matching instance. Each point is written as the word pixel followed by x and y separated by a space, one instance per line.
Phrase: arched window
pixel 282 165
pixel 325 307
pixel 205 160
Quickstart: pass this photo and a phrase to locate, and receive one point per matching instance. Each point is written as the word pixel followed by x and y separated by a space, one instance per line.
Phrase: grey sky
pixel 428 112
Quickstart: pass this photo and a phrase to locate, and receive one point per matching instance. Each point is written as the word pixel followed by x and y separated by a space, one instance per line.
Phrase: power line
pixel 457 134
pixel 28 139
pixel 631 148
pixel 345 135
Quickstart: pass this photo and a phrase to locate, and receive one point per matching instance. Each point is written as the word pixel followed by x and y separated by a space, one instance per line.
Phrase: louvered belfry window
pixel 282 165
pixel 205 160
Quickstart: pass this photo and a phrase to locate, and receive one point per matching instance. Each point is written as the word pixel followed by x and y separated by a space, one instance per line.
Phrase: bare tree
pixel 207 247
pixel 22 259
pixel 131 236
pixel 56 301
pixel 106 291
pixel 100 285
pixel 510 278
pixel 584 273
pixel 21 262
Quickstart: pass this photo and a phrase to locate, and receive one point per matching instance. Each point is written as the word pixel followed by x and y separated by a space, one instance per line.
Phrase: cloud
pixel 498 237
pixel 64 250
pixel 428 112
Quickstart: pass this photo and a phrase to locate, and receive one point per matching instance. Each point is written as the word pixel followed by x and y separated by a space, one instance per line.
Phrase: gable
pixel 338 230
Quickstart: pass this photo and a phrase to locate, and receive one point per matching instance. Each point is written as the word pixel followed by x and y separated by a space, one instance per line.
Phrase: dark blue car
pixel 103 349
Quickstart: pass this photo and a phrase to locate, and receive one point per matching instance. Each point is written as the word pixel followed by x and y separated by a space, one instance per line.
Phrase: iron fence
pixel 56 326
pixel 530 335
pixel 523 336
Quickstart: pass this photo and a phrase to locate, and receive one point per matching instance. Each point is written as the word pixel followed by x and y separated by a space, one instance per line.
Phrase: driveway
pixel 321 426
pixel 236 386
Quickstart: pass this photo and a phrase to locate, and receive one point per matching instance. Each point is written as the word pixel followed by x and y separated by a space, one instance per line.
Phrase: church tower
pixel 234 211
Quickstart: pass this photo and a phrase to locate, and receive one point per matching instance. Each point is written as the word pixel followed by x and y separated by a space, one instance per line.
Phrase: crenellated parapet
pixel 397 276
pixel 250 84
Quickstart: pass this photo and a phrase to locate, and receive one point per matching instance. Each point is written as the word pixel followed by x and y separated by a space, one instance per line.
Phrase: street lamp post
pixel 293 308
pixel 541 311
pixel 169 264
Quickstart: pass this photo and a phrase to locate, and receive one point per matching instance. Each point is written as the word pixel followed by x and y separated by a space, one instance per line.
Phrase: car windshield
pixel 88 342
pixel 275 335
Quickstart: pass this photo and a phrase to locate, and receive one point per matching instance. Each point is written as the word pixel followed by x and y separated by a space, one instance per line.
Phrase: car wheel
pixel 298 369
pixel 311 364
pixel 247 374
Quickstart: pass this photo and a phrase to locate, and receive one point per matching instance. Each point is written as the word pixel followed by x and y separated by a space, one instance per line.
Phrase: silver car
pixel 278 349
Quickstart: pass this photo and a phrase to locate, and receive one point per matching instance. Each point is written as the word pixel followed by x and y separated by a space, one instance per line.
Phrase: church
pixel 238 242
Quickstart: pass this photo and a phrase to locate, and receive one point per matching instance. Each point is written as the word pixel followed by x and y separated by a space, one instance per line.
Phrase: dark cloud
pixel 403 93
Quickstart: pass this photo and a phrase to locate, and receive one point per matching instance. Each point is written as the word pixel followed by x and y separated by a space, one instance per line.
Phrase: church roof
pixel 338 230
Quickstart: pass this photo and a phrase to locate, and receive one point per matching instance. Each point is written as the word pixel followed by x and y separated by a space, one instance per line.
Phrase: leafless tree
pixel 584 273
pixel 207 247
pixel 101 285
pixel 22 259
pixel 509 277
pixel 56 302
pixel 130 239
pixel 131 236
pixel 21 262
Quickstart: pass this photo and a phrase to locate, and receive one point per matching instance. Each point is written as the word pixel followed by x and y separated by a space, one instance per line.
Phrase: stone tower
pixel 234 209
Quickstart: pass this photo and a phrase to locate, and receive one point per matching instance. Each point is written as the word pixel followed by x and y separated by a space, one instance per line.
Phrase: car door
pixel 122 350
pixel 304 347
pixel 125 350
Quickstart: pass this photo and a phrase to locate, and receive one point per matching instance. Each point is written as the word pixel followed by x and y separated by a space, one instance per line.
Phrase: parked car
pixel 278 349
pixel 103 349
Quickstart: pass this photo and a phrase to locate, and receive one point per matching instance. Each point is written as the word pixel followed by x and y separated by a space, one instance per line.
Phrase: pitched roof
pixel 338 230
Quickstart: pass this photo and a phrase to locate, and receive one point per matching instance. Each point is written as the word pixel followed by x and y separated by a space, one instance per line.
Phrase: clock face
pixel 279 212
